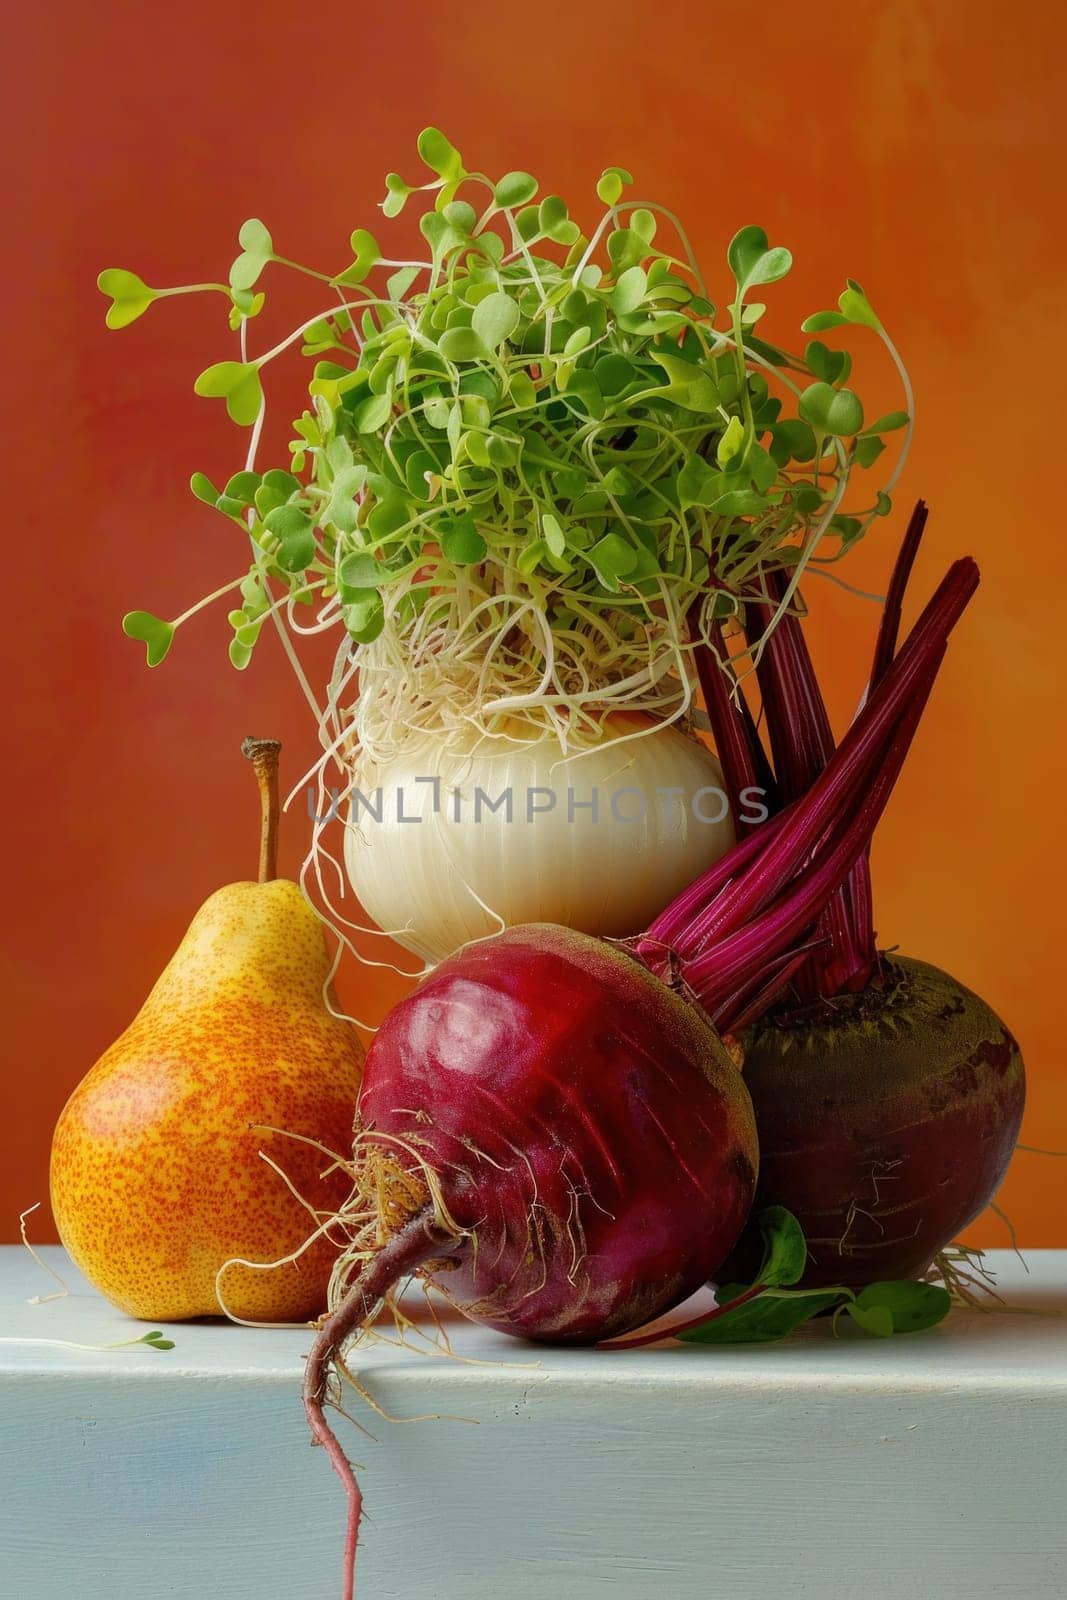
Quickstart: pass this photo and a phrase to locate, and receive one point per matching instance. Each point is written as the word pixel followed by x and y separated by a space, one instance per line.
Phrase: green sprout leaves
pixel 440 155
pixel 754 262
pixel 495 319
pixel 886 1308
pixel 854 308
pixel 828 410
pixel 366 251
pixel 257 248
pixel 130 297
pixel 515 189
pixel 155 634
pixel 530 410
pixel 611 184
pixel 772 1307
pixel 236 382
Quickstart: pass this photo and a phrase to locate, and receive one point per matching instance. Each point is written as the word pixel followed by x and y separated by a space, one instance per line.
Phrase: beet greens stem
pixel 802 743
pixel 737 915
pixel 886 646
pixel 737 745
pixel 731 962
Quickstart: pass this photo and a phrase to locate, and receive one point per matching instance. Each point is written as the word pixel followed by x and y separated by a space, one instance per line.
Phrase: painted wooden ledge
pixel 929 1468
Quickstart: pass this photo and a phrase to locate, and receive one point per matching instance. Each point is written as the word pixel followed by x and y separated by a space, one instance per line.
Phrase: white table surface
pixel 929 1467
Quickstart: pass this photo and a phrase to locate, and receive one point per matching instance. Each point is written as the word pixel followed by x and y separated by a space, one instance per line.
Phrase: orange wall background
pixel 915 145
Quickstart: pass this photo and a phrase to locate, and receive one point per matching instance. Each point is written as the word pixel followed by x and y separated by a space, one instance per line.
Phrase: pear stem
pixel 263 754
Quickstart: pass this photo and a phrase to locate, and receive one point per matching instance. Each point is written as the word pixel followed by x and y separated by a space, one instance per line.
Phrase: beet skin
pixel 591 1135
pixel 886 1120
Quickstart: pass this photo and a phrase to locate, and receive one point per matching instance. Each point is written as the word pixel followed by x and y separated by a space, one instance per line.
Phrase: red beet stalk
pixel 752 876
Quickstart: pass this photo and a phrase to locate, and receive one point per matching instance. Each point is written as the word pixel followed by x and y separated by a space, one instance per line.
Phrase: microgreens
pixel 535 447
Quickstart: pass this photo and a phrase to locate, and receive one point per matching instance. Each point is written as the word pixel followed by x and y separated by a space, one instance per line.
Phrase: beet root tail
pixel 418 1240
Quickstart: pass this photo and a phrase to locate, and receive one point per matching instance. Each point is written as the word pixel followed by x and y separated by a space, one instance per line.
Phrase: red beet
pixel 593 1139
pixel 886 1120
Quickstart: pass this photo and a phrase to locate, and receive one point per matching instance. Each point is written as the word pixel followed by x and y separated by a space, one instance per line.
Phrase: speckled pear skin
pixel 156 1175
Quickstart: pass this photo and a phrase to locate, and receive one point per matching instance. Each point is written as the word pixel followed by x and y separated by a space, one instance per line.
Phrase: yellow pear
pixel 158 1174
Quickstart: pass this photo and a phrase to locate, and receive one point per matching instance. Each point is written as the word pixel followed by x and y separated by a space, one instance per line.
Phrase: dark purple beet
pixel 886 1121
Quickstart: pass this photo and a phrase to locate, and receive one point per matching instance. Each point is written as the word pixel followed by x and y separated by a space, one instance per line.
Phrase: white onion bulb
pixel 455 869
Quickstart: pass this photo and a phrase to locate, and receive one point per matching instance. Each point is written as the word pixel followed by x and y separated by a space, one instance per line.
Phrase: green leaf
pixel 522 391
pixel 463 344
pixel 155 634
pixel 612 559
pixel 156 1341
pixel 364 618
pixel 552 531
pixel 130 296
pixel 460 215
pixel 238 383
pixel 785 1253
pixel 461 542
pixel 855 307
pixel 695 483
pixel 366 250
pixel 766 1318
pixel 889 423
pixel 689 386
pixel 611 184
pixel 359 571
pixel 821 320
pixel 396 194
pixel 440 155
pixel 494 320
pixel 625 250
pixel 872 1319
pixel 753 261
pixel 867 450
pixel 257 249
pixel 828 410
pixel 295 535
pixel 738 503
pixel 792 440
pixel 242 487
pixel 255 597
pixel 553 220
pixel 255 238
pixel 827 364
pixel 630 290
pixel 281 482
pixel 398 283
pixel 372 413
pixel 577 341
pixel 911 1306
pixel 643 223
pixel 528 224
pixel 583 387
pixel 244 273
pixel 731 441
pixel 204 489
pixel 515 189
